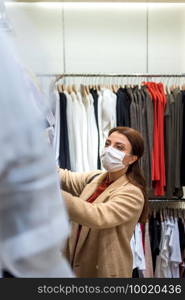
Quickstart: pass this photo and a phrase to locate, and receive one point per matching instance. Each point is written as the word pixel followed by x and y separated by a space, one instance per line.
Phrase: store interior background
pixel 101 37
pixel 107 37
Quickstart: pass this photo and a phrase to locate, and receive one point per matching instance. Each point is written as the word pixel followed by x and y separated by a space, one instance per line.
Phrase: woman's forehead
pixel 118 138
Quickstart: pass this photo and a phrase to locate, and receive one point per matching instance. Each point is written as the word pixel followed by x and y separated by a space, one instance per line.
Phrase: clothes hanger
pixel 114 88
pixel 154 212
pixel 180 213
pixel 86 91
pixel 99 84
pixel 183 87
pixel 181 83
pixel 164 214
pixel 73 86
pixel 69 89
pixel 172 215
pixel 83 90
pixel 133 82
pixel 96 84
pixel 58 87
pixel 110 83
pixel 161 215
pixel 64 87
pixel 58 78
pixel 74 89
pixel 175 83
pixel 92 85
pixel 167 85
pixel 163 81
pixel 139 83
pixel 89 84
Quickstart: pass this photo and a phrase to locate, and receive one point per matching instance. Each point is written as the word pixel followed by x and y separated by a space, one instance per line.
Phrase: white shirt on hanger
pixel 83 130
pixel 175 251
pixel 71 131
pixel 79 138
pixel 108 112
pixel 92 132
pixel 132 245
pixel 139 251
pixel 163 269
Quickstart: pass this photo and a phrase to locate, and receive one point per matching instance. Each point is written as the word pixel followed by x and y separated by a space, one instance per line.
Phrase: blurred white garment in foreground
pixel 33 220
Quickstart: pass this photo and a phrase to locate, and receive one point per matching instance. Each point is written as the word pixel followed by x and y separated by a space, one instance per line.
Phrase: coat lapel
pixel 90 190
pixel 91 187
pixel 87 192
pixel 116 184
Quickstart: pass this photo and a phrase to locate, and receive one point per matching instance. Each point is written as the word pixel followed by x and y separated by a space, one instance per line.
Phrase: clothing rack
pixel 155 201
pixel 166 200
pixel 177 204
pixel 60 76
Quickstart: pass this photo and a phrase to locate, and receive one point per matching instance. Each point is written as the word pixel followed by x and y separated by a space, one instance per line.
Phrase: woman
pixel 104 208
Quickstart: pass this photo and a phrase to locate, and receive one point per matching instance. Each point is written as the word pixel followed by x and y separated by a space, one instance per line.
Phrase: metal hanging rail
pixel 166 200
pixel 109 75
pixel 167 203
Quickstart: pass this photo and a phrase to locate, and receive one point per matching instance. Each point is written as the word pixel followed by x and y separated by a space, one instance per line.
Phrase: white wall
pixel 106 40
pixel 166 39
pixel 37 31
pixel 110 38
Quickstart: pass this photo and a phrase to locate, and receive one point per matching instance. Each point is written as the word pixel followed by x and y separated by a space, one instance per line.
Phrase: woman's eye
pixel 120 148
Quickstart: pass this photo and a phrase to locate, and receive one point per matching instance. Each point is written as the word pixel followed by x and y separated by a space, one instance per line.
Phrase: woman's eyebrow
pixel 117 143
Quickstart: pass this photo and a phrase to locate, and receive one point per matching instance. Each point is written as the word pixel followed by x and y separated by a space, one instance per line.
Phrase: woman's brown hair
pixel 134 173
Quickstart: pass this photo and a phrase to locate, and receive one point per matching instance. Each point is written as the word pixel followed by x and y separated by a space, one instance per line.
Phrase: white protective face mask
pixel 112 159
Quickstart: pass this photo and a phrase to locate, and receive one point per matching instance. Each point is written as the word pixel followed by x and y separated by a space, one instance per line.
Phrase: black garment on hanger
pixel 64 156
pixel 123 108
pixel 181 234
pixel 169 144
pixel 155 237
pixel 136 273
pixel 94 93
pixel 178 142
pixel 183 144
pixel 6 274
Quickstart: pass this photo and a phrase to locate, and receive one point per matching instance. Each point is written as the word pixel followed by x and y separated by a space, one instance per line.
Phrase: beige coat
pixel 103 249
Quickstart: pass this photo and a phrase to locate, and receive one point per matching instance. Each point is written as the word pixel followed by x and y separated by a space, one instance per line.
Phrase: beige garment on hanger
pixel 148 272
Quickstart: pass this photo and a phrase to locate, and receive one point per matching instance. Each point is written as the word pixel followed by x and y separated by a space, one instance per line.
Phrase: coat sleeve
pixel 122 207
pixel 74 182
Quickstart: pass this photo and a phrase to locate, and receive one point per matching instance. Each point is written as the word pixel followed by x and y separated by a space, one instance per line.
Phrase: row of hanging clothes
pixel 158 248
pixel 87 109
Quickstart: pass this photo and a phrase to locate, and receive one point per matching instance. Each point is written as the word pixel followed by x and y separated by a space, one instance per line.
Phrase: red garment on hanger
pixel 157 93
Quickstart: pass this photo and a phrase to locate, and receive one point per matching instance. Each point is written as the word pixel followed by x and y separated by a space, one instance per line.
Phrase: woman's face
pixel 121 143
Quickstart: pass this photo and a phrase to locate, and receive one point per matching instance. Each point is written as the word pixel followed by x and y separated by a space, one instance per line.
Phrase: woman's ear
pixel 132 159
